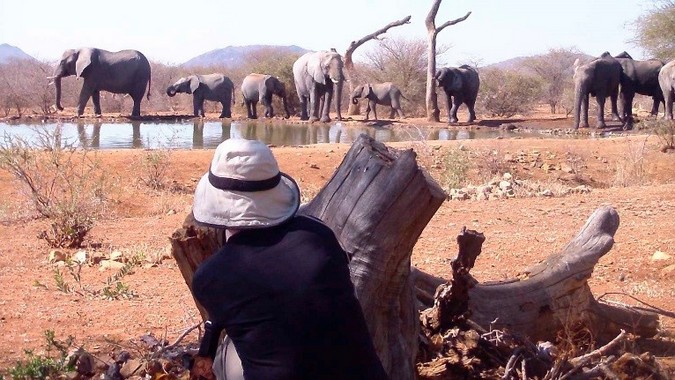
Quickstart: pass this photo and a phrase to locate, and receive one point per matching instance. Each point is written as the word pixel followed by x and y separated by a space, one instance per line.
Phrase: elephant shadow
pixel 379 123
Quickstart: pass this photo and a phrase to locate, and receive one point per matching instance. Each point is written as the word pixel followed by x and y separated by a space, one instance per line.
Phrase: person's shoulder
pixel 313 224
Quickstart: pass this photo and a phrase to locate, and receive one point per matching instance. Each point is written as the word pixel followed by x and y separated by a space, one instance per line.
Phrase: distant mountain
pixel 9 52
pixel 233 56
pixel 518 64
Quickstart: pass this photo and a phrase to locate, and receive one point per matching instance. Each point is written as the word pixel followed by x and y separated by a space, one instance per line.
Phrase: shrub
pixel 507 93
pixel 65 184
pixel 664 130
pixel 51 365
pixel 630 166
pixel 455 168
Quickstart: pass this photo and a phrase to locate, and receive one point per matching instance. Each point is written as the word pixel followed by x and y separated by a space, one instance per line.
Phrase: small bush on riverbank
pixel 65 184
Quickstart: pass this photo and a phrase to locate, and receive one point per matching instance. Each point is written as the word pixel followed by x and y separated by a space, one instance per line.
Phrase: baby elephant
pixel 214 87
pixel 261 87
pixel 461 86
pixel 386 94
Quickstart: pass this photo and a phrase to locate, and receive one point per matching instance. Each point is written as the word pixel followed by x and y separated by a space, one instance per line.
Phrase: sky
pixel 173 32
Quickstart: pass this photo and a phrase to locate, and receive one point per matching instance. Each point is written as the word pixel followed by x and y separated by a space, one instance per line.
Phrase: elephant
pixel 599 78
pixel 215 87
pixel 667 84
pixel 316 75
pixel 122 72
pixel 640 77
pixel 461 86
pixel 386 94
pixel 261 87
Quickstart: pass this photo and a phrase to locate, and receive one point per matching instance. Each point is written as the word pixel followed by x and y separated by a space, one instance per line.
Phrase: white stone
pixel 80 256
pixel 658 256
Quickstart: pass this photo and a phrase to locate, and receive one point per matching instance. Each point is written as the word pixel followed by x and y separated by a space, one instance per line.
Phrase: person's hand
pixel 202 368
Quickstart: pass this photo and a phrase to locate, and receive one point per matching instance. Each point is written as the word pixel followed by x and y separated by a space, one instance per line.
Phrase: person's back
pixel 288 304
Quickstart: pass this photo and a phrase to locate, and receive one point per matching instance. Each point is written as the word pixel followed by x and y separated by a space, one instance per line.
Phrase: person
pixel 280 285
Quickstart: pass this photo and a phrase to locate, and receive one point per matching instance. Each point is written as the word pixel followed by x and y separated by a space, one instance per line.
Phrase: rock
pixel 116 255
pixel 56 255
pixel 111 264
pixel 508 157
pixel 505 185
pixel 659 256
pixel 507 177
pixel 545 193
pixel 314 166
pixel 566 168
pixel 581 189
pixel 80 256
pixel 171 212
pixel 546 167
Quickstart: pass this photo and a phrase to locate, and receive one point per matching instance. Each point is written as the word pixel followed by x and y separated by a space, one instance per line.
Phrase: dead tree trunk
pixel 349 63
pixel 544 299
pixel 363 203
pixel 433 113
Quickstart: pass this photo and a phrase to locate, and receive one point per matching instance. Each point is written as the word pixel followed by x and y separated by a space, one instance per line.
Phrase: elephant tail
pixel 149 83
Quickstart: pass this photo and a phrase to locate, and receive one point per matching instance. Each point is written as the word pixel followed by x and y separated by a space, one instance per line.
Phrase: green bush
pixel 455 169
pixel 65 184
pixel 48 366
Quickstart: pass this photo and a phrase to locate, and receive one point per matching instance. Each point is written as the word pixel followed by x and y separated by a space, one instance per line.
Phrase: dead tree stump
pixel 546 298
pixel 377 202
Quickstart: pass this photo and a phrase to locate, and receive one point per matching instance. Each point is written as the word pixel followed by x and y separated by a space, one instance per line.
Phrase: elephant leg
pixel 328 98
pixel 303 108
pixel 456 102
pixel 669 97
pixel 613 95
pixel 601 112
pixel 628 112
pixel 314 100
pixel 96 99
pixel 367 111
pixel 85 93
pixel 392 113
pixel 372 104
pixel 471 105
pixel 136 110
pixel 655 106
pixel 267 102
pixel 226 112
pixel 198 106
pixel 396 107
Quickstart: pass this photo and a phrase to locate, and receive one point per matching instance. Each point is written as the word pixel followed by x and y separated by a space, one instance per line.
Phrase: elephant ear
pixel 315 69
pixel 84 58
pixel 195 80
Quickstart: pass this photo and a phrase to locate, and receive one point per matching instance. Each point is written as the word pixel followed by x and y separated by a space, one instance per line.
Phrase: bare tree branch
pixel 453 22
pixel 349 63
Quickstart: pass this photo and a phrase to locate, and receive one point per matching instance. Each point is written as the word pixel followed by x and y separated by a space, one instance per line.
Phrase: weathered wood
pixel 363 203
pixel 555 293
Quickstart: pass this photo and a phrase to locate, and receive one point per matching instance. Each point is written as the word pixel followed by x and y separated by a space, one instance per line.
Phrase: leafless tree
pixel 555 68
pixel 432 31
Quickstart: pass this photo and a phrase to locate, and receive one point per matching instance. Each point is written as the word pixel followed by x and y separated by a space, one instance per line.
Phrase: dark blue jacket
pixel 284 296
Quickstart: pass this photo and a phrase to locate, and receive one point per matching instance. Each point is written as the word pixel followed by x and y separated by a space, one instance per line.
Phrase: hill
pixel 233 56
pixel 519 64
pixel 9 52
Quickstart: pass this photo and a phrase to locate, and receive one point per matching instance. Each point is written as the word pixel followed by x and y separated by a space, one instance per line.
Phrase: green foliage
pixel 50 365
pixel 65 184
pixel 455 168
pixel 114 287
pixel 507 93
pixel 655 29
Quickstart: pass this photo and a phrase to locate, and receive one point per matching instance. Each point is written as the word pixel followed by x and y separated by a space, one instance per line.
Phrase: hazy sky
pixel 173 32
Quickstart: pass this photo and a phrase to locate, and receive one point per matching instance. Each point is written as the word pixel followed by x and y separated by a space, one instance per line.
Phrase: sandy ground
pixel 520 232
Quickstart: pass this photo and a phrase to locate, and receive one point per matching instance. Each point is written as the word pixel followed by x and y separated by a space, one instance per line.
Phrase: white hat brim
pixel 243 210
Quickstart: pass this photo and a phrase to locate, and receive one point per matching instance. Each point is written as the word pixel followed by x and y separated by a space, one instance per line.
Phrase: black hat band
pixel 232 184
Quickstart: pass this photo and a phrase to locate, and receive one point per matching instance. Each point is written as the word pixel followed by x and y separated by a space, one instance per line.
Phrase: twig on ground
pixel 181 337
pixel 652 308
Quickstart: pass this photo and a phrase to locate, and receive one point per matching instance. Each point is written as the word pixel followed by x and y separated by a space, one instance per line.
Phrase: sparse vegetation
pixel 654 29
pixel 630 166
pixel 65 184
pixel 664 130
pixel 50 365
pixel 507 93
pixel 455 168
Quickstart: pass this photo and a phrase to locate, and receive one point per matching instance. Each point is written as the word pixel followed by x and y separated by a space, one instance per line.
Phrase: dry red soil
pixel 519 233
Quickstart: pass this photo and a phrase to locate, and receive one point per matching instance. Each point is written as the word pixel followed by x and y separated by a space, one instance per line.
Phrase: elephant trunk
pixel 355 100
pixel 578 98
pixel 284 100
pixel 171 91
pixel 57 84
pixel 338 98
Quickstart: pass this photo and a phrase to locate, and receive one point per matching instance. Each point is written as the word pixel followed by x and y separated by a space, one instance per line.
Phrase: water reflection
pixel 198 134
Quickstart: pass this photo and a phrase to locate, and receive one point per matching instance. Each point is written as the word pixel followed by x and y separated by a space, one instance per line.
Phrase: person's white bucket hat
pixel 244 188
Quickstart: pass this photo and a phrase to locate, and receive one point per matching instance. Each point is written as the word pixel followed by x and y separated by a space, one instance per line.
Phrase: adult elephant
pixel 461 86
pixel 641 77
pixel 122 72
pixel 215 87
pixel 316 75
pixel 386 94
pixel 261 87
pixel 667 84
pixel 599 78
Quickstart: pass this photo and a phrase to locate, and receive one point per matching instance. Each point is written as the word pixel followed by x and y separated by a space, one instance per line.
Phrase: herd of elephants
pixel 318 75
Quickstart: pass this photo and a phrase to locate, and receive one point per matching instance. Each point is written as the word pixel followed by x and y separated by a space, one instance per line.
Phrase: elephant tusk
pixel 50 83
pixel 335 81
pixel 51 77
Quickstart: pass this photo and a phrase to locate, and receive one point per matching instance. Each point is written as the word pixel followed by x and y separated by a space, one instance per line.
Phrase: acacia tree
pixel 349 63
pixel 432 31
pixel 655 30
pixel 555 69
